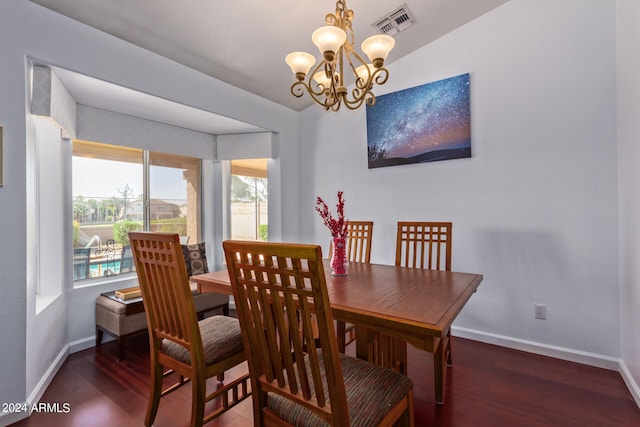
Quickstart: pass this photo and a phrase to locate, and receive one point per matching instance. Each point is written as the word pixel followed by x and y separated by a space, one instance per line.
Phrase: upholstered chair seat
pixel 371 392
pixel 221 339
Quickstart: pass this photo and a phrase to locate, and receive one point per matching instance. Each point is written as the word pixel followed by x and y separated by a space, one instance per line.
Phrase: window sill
pixel 129 277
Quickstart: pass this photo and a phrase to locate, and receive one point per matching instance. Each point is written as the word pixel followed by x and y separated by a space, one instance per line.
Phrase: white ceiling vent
pixel 395 21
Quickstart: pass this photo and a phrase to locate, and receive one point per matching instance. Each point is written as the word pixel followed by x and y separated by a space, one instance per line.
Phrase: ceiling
pixel 244 42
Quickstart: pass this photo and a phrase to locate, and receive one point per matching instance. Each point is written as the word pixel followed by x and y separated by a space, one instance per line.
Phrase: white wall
pixel 629 183
pixel 535 208
pixel 30 31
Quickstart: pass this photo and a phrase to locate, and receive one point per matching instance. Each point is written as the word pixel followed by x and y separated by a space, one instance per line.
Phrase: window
pixel 249 199
pixel 110 199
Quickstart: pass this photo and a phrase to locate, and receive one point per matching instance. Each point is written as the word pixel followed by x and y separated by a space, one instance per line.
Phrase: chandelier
pixel 326 83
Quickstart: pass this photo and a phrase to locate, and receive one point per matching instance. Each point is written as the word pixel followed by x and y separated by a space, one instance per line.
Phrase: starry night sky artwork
pixel 422 124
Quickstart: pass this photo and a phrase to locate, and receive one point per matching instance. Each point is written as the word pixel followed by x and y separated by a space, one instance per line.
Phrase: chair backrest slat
pixel 424 245
pixel 359 235
pixel 277 289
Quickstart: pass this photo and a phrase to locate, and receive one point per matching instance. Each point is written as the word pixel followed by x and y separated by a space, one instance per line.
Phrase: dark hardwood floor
pixel 487 386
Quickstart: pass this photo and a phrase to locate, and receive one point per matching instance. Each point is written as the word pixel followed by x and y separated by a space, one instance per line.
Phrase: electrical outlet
pixel 540 311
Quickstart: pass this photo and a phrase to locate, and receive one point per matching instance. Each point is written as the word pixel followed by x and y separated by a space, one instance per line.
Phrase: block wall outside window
pixel 249 197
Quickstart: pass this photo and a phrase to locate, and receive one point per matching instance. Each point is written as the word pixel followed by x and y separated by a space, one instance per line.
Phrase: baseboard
pixel 8 418
pixel 630 382
pixel 44 382
pixel 562 353
pixel 35 396
pixel 83 344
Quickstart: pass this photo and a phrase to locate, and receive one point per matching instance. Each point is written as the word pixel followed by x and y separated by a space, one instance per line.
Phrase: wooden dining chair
pixel 277 287
pixel 426 245
pixel 192 349
pixel 418 245
pixel 358 250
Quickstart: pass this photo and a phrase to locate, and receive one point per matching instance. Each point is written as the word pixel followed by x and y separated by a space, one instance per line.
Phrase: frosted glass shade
pixel 321 78
pixel 300 62
pixel 378 46
pixel 328 38
pixel 361 71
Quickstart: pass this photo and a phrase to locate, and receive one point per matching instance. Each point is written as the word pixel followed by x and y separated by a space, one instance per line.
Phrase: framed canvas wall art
pixel 422 124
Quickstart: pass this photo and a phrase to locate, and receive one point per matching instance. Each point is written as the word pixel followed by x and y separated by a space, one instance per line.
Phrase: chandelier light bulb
pixel 321 78
pixel 363 73
pixel 377 48
pixel 328 39
pixel 300 63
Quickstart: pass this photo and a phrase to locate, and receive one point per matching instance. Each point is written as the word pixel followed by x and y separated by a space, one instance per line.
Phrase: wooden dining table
pixel 410 304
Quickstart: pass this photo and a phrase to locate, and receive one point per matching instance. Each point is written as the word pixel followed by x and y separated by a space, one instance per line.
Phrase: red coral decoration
pixel 338 227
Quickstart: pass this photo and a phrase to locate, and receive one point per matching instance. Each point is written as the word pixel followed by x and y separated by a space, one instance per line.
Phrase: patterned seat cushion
pixel 195 256
pixel 221 338
pixel 371 392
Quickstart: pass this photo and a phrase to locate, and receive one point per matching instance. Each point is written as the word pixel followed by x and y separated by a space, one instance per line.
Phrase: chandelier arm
pixel 310 76
pixel 330 103
pixel 324 96
pixel 354 104
pixel 320 65
pixel 320 97
pixel 360 82
pixel 327 97
pixel 358 95
pixel 356 101
pixel 340 63
pixel 363 86
pixel 332 96
pixel 297 88
pixel 380 76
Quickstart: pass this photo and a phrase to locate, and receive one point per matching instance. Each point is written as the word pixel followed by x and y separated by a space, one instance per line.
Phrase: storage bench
pixel 123 318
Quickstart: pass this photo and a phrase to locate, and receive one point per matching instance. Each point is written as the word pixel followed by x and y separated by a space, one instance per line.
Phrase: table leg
pixel 398 353
pixel 362 351
pixel 341 331
pixel 438 370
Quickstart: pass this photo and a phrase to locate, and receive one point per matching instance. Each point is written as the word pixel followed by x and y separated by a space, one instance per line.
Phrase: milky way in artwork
pixel 411 125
